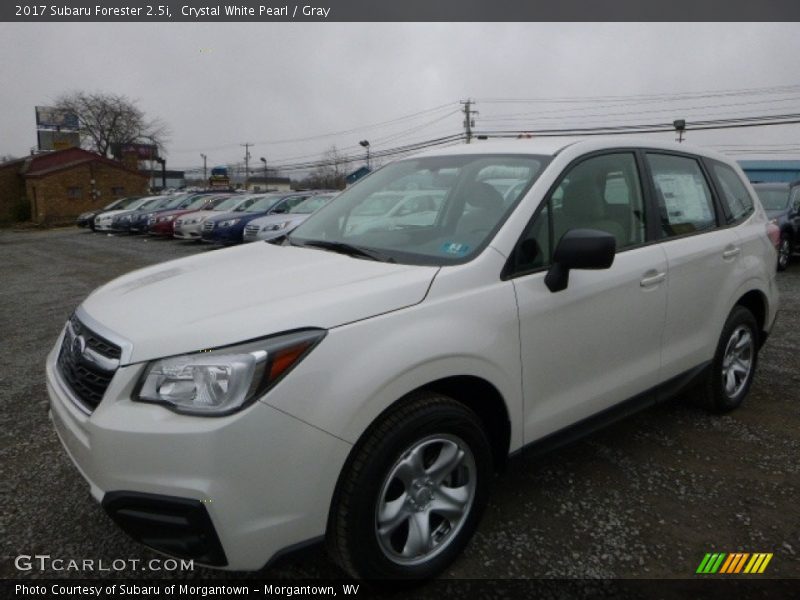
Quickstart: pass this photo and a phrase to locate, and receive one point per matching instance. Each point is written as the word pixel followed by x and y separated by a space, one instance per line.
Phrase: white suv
pixel 363 385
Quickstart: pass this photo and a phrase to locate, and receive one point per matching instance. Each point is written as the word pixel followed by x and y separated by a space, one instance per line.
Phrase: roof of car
pixel 550 146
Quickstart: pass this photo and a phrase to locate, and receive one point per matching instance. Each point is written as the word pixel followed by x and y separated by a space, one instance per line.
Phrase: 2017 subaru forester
pixel 362 383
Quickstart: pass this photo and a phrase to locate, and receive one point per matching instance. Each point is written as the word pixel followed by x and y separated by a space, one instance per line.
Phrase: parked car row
pixel 217 218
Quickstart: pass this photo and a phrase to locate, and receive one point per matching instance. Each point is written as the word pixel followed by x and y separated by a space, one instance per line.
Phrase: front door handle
pixel 652 279
pixel 731 252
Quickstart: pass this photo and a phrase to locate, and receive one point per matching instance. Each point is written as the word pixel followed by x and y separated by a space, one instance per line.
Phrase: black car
pixel 781 201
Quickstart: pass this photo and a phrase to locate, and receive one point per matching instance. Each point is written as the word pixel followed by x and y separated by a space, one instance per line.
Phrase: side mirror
pixel 580 249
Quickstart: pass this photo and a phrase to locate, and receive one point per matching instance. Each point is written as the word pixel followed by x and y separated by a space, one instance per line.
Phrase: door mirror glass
pixel 580 249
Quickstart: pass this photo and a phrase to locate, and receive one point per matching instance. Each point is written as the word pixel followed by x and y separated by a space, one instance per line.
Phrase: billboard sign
pixel 55 118
pixel 142 151
pixel 58 140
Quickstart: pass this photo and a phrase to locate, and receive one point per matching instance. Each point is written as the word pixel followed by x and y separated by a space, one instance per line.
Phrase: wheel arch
pixel 756 302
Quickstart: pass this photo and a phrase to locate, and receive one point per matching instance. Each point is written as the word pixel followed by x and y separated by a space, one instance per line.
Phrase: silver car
pixel 272 226
pixel 188 226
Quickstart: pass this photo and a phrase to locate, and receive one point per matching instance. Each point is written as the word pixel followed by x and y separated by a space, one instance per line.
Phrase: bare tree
pixel 108 119
pixel 331 171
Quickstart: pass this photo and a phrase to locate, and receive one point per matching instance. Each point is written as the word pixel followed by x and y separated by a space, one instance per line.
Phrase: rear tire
pixel 732 370
pixel 784 252
pixel 412 492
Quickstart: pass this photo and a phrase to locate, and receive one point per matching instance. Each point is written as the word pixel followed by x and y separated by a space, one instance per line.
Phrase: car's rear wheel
pixel 411 495
pixel 734 364
pixel 784 252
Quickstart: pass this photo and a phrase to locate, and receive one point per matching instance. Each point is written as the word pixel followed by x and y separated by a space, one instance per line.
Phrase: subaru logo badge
pixel 78 346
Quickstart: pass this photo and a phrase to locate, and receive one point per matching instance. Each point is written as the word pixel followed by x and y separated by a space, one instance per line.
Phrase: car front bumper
pixel 263 478
pixel 188 231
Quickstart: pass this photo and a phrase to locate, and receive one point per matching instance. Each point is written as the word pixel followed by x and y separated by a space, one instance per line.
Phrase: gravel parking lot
pixel 645 498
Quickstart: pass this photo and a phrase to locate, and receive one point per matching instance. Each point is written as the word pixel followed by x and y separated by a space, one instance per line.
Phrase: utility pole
pixel 469 122
pixel 246 162
pixel 205 176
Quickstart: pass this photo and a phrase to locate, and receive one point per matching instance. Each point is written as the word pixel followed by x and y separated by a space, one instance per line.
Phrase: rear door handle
pixel 652 279
pixel 731 252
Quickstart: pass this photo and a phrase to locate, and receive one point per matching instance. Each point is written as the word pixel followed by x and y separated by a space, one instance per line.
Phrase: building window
pixel 74 192
pixel 118 191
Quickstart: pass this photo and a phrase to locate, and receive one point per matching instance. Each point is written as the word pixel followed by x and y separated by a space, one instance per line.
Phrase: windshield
pixel 432 211
pixel 147 202
pixel 259 204
pixel 311 204
pixel 773 199
pixel 198 202
pixel 175 201
pixel 157 202
pixel 227 202
pixel 120 203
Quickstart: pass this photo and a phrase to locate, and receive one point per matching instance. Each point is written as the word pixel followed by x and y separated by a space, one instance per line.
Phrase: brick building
pixel 60 185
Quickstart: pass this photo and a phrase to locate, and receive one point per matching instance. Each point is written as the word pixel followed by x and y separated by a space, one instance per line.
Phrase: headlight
pixel 219 382
pixel 774 221
pixel 162 219
pixel 229 222
pixel 277 226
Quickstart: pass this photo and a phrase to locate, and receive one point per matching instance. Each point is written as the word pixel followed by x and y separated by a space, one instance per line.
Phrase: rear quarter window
pixel 736 200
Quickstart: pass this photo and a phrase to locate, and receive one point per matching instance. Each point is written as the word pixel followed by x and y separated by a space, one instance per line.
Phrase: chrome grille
pixel 251 231
pixel 87 362
pixel 208 226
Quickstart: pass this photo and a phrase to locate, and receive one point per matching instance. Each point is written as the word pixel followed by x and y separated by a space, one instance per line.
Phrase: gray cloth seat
pixel 583 207
pixel 483 207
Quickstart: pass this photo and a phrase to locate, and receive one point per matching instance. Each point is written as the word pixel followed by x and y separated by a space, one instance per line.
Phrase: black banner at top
pixel 400 10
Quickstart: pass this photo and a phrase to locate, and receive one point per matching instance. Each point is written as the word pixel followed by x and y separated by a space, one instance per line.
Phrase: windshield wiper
pixel 349 249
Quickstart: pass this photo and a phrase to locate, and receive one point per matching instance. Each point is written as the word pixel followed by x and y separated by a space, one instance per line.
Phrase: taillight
pixel 774 234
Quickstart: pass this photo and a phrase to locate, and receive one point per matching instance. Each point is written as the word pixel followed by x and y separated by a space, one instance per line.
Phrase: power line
pixel 648 97
pixel 329 134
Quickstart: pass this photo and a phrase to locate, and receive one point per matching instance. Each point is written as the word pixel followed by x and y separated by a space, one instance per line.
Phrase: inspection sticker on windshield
pixel 454 248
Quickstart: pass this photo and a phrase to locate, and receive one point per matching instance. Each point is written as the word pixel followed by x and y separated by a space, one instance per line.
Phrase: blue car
pixel 228 228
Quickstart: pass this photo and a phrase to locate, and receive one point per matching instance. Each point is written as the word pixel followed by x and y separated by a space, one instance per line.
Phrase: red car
pixel 163 224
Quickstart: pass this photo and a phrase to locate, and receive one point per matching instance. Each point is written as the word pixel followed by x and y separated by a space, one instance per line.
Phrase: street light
pixel 266 183
pixel 680 127
pixel 365 144
pixel 205 178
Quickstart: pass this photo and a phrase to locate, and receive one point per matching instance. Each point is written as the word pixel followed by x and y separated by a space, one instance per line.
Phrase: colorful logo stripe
pixel 735 562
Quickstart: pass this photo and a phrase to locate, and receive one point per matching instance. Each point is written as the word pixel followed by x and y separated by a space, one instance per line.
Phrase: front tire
pixel 412 493
pixel 734 364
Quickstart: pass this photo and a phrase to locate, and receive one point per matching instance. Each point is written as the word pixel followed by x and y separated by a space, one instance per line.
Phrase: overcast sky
pixel 218 85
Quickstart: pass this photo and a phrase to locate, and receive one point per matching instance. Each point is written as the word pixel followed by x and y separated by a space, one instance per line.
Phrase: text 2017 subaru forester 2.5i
pixel 362 385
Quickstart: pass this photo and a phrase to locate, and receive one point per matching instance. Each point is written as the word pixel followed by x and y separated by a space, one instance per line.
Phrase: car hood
pixel 173 212
pixel 270 219
pixel 228 296
pixel 241 214
pixel 201 213
pixel 111 213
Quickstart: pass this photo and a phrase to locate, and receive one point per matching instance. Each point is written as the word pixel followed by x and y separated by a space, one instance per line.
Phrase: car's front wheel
pixel 784 252
pixel 411 495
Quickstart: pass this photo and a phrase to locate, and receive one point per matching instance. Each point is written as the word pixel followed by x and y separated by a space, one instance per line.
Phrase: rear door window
pixel 683 195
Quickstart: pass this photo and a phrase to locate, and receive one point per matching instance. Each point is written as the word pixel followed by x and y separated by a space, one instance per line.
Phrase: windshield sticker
pixel 455 248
